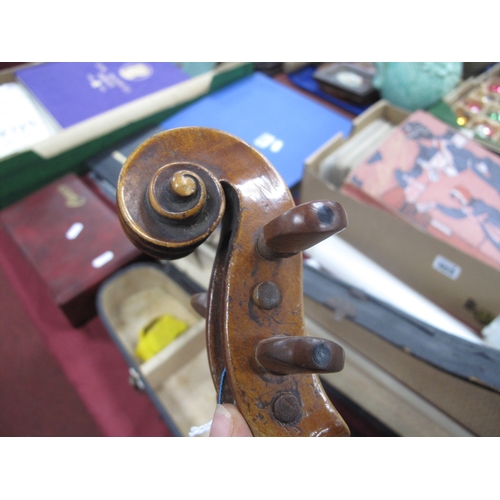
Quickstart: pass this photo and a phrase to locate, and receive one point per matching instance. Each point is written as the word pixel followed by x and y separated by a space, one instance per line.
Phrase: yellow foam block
pixel 157 335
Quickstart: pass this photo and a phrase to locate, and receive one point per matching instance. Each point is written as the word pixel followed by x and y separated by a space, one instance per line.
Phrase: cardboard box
pixel 462 285
pixel 72 239
pixel 24 172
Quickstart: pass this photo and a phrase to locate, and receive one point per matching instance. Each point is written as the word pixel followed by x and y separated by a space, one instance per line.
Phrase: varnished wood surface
pixel 244 188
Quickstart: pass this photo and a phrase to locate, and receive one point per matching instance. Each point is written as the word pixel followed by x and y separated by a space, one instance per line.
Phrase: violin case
pixel 459 378
pixel 456 382
pixel 177 379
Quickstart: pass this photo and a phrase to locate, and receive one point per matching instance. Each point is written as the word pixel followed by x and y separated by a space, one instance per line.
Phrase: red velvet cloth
pixel 87 355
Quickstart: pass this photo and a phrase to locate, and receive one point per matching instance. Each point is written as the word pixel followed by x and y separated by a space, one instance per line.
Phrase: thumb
pixel 229 422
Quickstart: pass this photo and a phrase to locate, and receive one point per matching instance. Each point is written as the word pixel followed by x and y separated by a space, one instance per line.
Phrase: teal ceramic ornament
pixel 416 85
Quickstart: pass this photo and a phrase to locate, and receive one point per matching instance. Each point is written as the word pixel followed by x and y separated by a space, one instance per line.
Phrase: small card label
pixel 446 267
pixel 119 157
pixel 104 258
pixel 74 231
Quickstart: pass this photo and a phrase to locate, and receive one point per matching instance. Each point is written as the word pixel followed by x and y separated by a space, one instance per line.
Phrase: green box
pixel 24 172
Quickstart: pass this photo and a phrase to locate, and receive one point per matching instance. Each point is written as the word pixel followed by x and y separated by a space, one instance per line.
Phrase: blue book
pixel 285 126
pixel 75 91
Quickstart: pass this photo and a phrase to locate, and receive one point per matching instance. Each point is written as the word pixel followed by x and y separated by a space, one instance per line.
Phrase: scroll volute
pixel 172 193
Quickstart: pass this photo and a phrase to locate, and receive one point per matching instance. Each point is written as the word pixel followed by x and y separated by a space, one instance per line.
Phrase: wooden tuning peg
pixel 199 304
pixel 289 355
pixel 301 228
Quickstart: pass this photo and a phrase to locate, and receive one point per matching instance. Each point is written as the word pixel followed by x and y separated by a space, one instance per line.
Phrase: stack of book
pixel 74 92
pixel 438 180
pixel 423 201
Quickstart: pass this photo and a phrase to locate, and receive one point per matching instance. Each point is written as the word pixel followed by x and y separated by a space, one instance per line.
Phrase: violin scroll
pixel 181 205
pixel 173 191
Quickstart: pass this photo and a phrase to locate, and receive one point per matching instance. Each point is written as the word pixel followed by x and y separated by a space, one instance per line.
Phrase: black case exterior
pixel 458 377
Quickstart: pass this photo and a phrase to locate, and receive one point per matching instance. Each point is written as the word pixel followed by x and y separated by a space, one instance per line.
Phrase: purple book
pixel 73 92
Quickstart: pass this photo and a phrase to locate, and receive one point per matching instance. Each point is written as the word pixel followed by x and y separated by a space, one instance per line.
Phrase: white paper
pixel 22 124
pixel 349 265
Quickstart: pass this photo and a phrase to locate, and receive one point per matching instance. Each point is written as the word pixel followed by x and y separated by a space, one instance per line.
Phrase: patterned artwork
pixel 439 180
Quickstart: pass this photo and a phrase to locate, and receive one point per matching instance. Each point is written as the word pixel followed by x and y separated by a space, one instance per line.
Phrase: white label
pixel 446 267
pixel 104 258
pixel 267 140
pixel 119 157
pixel 74 231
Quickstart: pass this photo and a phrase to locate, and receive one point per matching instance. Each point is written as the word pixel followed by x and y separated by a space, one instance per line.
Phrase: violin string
pixel 222 377
pixel 201 429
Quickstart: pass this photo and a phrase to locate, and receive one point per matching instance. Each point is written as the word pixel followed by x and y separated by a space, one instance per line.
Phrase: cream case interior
pixel 179 374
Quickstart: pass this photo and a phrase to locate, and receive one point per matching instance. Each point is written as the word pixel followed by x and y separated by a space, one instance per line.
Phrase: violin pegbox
pixel 173 191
